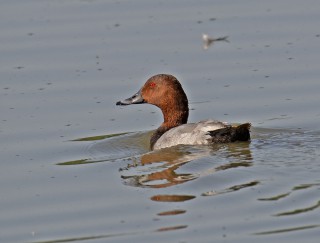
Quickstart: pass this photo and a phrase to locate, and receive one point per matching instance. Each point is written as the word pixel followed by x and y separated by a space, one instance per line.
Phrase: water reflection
pixel 159 169
pixel 171 228
pixel 162 166
pixel 169 167
pixel 172 198
pixel 172 212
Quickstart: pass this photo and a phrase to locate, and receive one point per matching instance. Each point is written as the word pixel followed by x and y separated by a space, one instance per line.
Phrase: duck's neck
pixel 174 115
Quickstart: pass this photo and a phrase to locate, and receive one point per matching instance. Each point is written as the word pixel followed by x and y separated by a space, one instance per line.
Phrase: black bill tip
pixel 120 103
pixel 135 99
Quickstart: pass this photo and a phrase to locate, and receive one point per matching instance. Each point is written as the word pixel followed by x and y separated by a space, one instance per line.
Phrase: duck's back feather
pixel 231 134
pixel 190 133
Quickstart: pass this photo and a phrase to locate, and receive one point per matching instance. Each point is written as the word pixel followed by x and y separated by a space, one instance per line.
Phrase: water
pixel 76 168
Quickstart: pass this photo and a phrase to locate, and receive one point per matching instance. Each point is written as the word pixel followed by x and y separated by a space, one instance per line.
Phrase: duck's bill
pixel 135 99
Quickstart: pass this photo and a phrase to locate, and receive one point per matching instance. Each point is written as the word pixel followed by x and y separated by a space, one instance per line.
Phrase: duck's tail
pixel 231 134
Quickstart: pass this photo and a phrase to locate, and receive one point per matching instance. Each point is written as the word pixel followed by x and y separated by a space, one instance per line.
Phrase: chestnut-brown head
pixel 165 92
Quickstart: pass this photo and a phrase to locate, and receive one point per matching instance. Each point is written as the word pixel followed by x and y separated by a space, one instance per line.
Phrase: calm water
pixel 76 168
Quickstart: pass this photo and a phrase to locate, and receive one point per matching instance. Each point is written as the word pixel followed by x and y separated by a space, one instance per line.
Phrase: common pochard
pixel 165 92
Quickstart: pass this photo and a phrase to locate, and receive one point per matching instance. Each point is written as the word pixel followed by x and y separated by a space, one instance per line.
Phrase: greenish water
pixel 76 168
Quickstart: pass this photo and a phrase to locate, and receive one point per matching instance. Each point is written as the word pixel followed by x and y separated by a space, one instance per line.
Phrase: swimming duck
pixel 166 92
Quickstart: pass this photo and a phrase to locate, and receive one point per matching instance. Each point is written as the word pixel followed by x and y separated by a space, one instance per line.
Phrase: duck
pixel 166 92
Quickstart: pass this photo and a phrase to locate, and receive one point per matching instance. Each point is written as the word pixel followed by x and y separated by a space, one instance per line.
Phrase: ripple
pixel 300 210
pixel 286 230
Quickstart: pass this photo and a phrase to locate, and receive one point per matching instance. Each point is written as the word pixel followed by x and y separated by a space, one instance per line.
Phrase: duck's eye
pixel 152 85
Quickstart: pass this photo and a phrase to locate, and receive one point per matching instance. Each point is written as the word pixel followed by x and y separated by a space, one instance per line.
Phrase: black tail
pixel 231 134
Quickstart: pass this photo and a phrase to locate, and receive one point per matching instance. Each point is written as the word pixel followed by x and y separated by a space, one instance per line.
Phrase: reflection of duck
pixel 163 164
pixel 165 92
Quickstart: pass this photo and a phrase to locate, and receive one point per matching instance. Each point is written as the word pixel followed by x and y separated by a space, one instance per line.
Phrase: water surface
pixel 76 168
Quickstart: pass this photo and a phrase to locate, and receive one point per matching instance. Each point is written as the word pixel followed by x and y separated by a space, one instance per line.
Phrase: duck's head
pixel 165 92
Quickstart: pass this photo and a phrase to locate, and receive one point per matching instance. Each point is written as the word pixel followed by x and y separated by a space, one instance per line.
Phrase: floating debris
pixel 207 40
